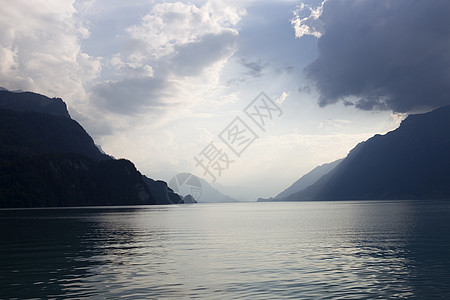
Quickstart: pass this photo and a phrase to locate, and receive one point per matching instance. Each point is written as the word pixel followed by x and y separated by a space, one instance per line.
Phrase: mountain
pixel 200 189
pixel 31 133
pixel 48 159
pixel 308 179
pixel 239 193
pixel 189 199
pixel 411 162
pixel 304 181
pixel 32 102
pixel 162 192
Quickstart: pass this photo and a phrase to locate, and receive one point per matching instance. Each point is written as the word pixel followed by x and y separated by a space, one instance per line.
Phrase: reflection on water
pixel 325 250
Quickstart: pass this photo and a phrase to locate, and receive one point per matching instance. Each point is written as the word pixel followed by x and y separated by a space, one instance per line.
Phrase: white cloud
pixel 282 98
pixel 8 57
pixel 40 48
pixel 169 25
pixel 309 24
pixel 397 119
pixel 174 55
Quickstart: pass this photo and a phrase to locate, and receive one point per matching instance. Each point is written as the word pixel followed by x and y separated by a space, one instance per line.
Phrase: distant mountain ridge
pixel 48 159
pixel 239 193
pixel 411 162
pixel 200 189
pixel 308 179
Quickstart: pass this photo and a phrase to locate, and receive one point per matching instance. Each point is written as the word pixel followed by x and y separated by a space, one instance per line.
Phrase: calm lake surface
pixel 309 250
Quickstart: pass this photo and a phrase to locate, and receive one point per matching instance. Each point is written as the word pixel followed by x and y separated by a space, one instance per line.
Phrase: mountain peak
pixel 32 102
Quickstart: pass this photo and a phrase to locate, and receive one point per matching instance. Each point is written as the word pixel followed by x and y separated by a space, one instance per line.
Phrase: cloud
pixel 305 24
pixel 383 55
pixel 169 25
pixel 192 58
pixel 131 96
pixel 40 48
pixel 175 51
pixel 282 98
pixel 255 68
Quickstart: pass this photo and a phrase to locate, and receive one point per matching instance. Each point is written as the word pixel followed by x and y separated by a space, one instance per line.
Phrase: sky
pixel 175 86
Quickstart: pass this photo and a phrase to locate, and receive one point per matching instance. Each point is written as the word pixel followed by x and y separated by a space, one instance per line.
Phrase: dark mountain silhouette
pixel 31 133
pixel 189 199
pixel 48 159
pixel 162 192
pixel 32 102
pixel 411 162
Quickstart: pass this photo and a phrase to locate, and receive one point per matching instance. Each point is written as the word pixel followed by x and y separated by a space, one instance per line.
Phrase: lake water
pixel 309 250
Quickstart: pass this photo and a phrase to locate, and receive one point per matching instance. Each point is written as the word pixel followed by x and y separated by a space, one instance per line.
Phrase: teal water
pixel 306 250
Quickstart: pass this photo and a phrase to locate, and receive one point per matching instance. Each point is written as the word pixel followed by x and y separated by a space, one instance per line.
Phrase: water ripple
pixel 327 250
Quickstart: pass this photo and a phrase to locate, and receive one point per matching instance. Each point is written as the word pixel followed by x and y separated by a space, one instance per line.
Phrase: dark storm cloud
pixel 390 54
